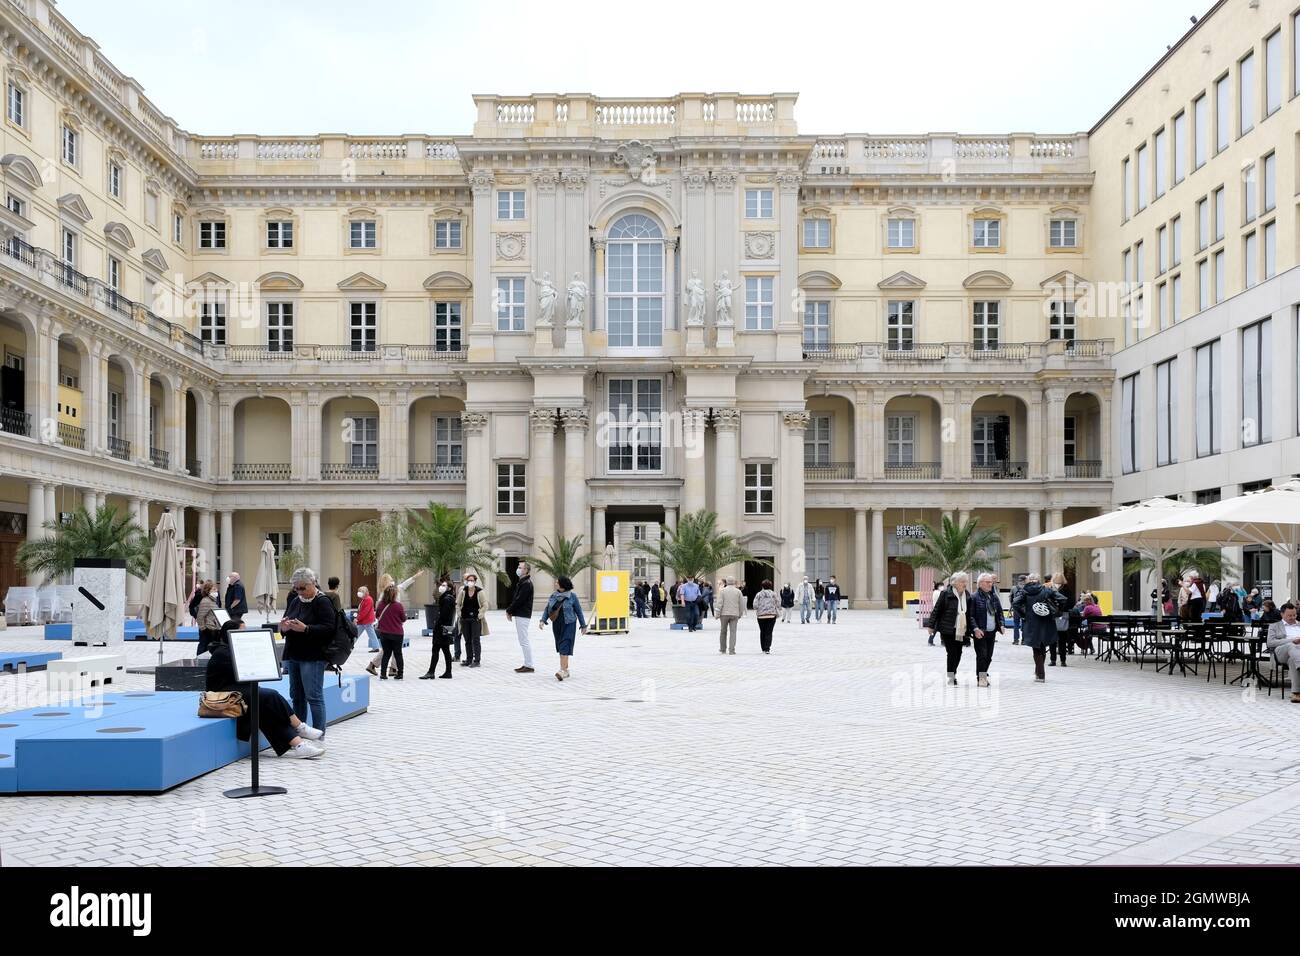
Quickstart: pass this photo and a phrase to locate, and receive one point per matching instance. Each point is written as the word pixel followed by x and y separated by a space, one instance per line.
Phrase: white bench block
pixel 76 674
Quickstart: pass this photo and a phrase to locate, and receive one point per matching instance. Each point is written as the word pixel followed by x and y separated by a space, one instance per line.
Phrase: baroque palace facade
pixel 587 314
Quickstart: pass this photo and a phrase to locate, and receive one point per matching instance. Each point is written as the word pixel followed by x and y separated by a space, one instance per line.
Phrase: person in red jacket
pixel 391 625
pixel 366 613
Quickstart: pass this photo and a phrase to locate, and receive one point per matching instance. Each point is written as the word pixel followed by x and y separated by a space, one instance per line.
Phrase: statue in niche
pixel 695 300
pixel 546 299
pixel 577 300
pixel 722 290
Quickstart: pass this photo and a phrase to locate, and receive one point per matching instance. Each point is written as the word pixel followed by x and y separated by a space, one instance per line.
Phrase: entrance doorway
pixel 1257 570
pixel 755 574
pixel 506 589
pixel 358 577
pixel 900 579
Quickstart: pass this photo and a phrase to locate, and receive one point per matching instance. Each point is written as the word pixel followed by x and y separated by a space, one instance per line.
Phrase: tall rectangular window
pixel 1162 304
pixel 1180 148
pixel 1273 66
pixel 1203 291
pixel 1270 250
pixel 758 204
pixel 1175 241
pixel 1162 250
pixel 448 442
pixel 17 104
pixel 279 326
pixel 1220 213
pixel 363 449
pixel 1139 262
pixel 1128 423
pixel 986 335
pixel 1250 259
pixel 816 325
pixel 1061 319
pixel 1270 182
pixel 635 432
pixel 983 441
pixel 900 440
pixel 114 414
pixel 363 234
pixel 1256 383
pixel 178 228
pixel 1208 358
pixel 1166 386
pixel 115 179
pixel 446 327
pixel 902 233
pixel 71 145
pixel 1247 93
pixel 1127 174
pixel 1175 300
pixel 1200 131
pixel 901 328
pixel 363 326
pixel 1071 440
pixel 1162 162
pixel 511 306
pixel 1222 113
pixel 279 234
pixel 1220 276
pixel 760 304
pixel 816 233
pixel 1249 198
pixel 1202 224
pixel 1143 177
pixel 817 441
pixel 510 204
pixel 212 322
pixel 758 488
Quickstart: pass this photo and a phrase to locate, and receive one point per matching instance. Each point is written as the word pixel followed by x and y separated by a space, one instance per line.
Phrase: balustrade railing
pixel 1083 469
pixel 261 471
pixel 159 458
pixel 72 436
pixel 913 470
pixel 430 471
pixel 15 422
pixel 119 448
pixel 999 469
pixel 346 471
pixel 829 471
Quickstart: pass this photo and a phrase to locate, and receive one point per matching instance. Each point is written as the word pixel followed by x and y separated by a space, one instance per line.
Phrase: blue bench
pixel 12 662
pixel 132 630
pixel 137 742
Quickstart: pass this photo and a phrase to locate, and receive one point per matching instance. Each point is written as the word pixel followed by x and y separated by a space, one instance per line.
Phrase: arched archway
pixel 350 438
pixel 1083 433
pixel 999 437
pixel 262 439
pixel 19 398
pixel 434 439
pixel 913 438
pixel 71 410
pixel 121 406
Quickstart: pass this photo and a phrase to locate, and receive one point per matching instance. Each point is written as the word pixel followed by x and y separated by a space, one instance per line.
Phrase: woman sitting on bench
pixel 276 720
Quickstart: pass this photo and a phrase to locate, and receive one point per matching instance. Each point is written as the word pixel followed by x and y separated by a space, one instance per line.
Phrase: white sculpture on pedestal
pixel 722 290
pixel 695 300
pixel 546 299
pixel 577 300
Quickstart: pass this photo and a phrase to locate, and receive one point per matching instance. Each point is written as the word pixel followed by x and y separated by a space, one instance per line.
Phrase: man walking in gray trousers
pixel 731 608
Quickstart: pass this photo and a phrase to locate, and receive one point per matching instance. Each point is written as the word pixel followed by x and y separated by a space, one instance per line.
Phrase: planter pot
pixel 430 617
pixel 679 614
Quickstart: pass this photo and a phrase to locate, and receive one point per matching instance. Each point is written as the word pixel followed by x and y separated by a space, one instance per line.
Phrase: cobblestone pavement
pixel 841 747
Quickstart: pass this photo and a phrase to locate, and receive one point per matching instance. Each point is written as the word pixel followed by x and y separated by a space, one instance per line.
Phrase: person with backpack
pixel 1039 607
pixel 953 619
pixel 1015 615
pixel 391 627
pixel 471 611
pixel 309 627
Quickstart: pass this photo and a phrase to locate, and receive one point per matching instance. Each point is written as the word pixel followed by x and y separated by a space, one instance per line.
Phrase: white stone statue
pixel 577 300
pixel 722 290
pixel 546 299
pixel 695 300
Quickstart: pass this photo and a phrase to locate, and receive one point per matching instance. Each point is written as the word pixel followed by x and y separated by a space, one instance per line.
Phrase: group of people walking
pixel 815 598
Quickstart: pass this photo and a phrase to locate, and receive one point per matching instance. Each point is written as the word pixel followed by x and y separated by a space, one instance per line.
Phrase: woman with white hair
pixel 989 622
pixel 308 625
pixel 953 619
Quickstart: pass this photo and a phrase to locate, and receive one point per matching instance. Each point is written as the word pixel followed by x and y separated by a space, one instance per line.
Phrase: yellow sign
pixel 910 596
pixel 1105 601
pixel 611 603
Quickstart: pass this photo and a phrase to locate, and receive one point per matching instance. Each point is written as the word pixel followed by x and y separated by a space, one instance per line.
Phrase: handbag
pixel 1063 621
pixel 221 703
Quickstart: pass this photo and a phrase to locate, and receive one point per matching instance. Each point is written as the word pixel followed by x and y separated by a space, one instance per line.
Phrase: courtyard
pixel 841 747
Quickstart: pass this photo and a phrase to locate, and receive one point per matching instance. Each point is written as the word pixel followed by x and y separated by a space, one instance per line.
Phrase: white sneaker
pixel 308 732
pixel 305 750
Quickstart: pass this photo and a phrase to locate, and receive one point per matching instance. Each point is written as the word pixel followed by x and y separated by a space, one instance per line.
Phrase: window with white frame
pixel 1166 406
pixel 634 283
pixel 987 319
pixel 178 228
pixel 760 302
pixel 69 247
pixel 363 326
pixel 70 145
pixel 1208 371
pixel 114 274
pixel 640 568
pixel 1203 290
pixel 114 414
pixel 1162 250
pixel 446 327
pixel 1060 319
pixel 983 439
pixel 1200 131
pixel 818 551
pixel 1222 114
pixel 758 204
pixel 759 489
pixel 1128 265
pixel 1273 66
pixel 1250 258
pixel 511 490
pixel 212 234
pixel 511 204
pixel 1220 213
pixel 1175 241
pixel 1270 250
pixel 1180 148
pixel 279 326
pixel 902 233
pixel 153 426
pixel 1220 276
pixel 1128 418
pixel 279 234
pixel 816 325
pixel 635 432
pixel 363 449
pixel 816 233
pixel 1062 233
pixel 987 233
pixel 1161 149
pixel 900 439
pixel 1070 445
pixel 16 104
pixel 511 304
pixel 1247 93
pixel 446 234
pixel 448 443
pixel 817 441
pixel 363 234
pixel 1270 182
pixel 638 532
pixel 1202 224
pixel 900 326
pixel 1249 200
pixel 115 179
pixel 212 321
pixel 1257 383
pixel 1162 303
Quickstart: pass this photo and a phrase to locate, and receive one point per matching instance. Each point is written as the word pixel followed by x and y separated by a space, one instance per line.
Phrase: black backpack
pixel 339 647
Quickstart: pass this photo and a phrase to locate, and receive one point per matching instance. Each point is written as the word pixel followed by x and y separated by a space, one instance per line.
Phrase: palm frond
pixel 696 546
pixel 1210 562
pixel 108 533
pixel 563 558
pixel 442 539
pixel 954 547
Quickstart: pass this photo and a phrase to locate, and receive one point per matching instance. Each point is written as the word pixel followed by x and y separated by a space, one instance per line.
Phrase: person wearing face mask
pixel 385 582
pixel 832 600
pixel 366 614
pixel 471 612
pixel 804 596
pixel 443 627
pixel 236 600
pixel 206 615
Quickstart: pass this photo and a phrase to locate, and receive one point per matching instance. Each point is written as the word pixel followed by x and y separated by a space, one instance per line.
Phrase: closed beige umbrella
pixel 265 583
pixel 164 589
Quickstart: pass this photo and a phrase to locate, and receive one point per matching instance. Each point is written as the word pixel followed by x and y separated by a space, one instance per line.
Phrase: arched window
pixel 634 283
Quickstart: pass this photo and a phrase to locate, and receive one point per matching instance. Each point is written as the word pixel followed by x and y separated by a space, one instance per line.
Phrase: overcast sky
pixel 405 66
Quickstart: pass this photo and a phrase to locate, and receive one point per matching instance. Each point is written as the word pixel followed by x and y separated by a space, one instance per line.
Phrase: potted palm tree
pixel 954 547
pixel 563 559
pixel 441 539
pixel 1210 563
pixel 696 546
pixel 108 533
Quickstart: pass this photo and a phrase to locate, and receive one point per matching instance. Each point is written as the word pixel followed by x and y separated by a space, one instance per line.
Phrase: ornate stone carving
pixel 695 300
pixel 724 178
pixel 575 419
pixel 575 180
pixel 547 296
pixel 511 245
pixel 760 245
pixel 693 419
pixel 726 418
pixel 722 291
pixel 481 182
pixel 789 181
pixel 543 420
pixel 545 180
pixel 696 180
pixel 577 292
pixel 473 423
pixel 640 160
pixel 797 421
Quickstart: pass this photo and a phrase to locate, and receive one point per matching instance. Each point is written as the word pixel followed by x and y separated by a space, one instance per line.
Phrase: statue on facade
pixel 546 299
pixel 577 300
pixel 695 300
pixel 722 290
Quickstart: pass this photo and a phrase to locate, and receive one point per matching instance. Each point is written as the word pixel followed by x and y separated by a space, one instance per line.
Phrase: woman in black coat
pixel 1039 607
pixel 953 618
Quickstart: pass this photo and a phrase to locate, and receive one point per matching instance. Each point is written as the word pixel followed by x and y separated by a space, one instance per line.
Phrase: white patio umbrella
pixel 1270 518
pixel 264 584
pixel 1123 527
pixel 164 589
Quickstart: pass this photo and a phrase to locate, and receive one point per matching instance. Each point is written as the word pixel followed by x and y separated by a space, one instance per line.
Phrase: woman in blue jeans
pixel 564 611
pixel 308 625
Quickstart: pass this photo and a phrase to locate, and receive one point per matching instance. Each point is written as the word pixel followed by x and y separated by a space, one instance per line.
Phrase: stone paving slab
pixel 841 747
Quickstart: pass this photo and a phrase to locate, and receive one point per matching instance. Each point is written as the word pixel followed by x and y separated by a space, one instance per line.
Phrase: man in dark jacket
pixel 308 626
pixel 236 602
pixel 1038 607
pixel 1015 613
pixel 989 621
pixel 520 610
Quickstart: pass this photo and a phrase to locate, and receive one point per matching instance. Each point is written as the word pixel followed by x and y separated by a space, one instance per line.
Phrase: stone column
pixel 859 597
pixel 542 488
pixel 134 585
pixel 1051 557
pixel 299 535
pixel 953 453
pixel 35 522
pixel 791 495
pixel 1035 555
pixel 400 437
pixel 1035 453
pixel 478 482
pixel 206 535
pixel 1055 430
pixel 789 319
pixel 598 542
pixel 175 443
pixel 575 421
pixel 51 505
pixel 726 426
pixel 483 316
pixel 314 543
pixel 178 518
pixel 225 446
pixel 879 559
pixel 693 486
pixel 670 522
pixel 94 410
pixel 963 515
pixel 227 561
